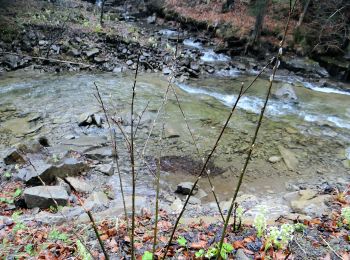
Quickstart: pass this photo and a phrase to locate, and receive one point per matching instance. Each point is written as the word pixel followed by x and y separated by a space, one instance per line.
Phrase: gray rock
pixel 177 205
pixel 107 169
pixel 74 52
pixel 44 196
pixel 166 71
pixel 14 157
pixel 65 185
pixel 12 61
pixel 152 19
pixel 48 173
pixel 96 200
pixel 286 92
pixel 129 62
pixel 194 201
pixel 99 153
pixel 185 188
pixel 43 43
pixel 92 52
pixel 240 255
pixel 274 159
pixel 289 158
pixel 79 185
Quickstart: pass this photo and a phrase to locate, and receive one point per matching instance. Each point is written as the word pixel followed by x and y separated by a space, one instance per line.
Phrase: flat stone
pixel 275 159
pixel 289 158
pixel 240 255
pixel 79 185
pixel 99 153
pixel 92 52
pixel 44 196
pixel 177 205
pixel 107 169
pixel 194 201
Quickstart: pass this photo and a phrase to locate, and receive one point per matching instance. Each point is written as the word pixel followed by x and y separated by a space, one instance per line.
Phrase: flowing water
pixel 315 128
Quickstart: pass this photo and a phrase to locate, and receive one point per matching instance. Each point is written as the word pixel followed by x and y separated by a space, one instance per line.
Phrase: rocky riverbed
pixel 297 163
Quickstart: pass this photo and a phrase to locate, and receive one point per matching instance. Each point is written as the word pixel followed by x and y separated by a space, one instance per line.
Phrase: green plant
pixel 82 252
pixel 17 193
pixel 7 175
pixel 212 251
pixel 226 249
pixel 260 222
pixel 299 227
pixel 54 209
pixel 29 248
pixel 345 214
pixel 19 224
pixel 279 237
pixel 57 235
pixel 181 241
pixel 147 256
pixel 200 253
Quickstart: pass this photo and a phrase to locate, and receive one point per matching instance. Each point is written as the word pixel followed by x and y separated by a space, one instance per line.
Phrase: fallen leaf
pixel 238 244
pixel 198 245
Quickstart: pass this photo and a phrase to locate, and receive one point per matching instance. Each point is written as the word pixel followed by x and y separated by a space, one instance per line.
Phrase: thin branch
pixel 132 161
pixel 115 151
pixel 277 63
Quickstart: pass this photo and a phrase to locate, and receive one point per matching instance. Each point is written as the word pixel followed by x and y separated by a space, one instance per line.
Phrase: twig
pixel 331 247
pixel 115 151
pixel 277 62
pixel 132 161
pixel 199 154
pixel 140 117
pixel 157 197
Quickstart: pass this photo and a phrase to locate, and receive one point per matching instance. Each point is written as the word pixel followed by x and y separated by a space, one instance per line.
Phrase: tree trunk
pixel 259 21
pixel 227 5
pixel 102 10
pixel 301 18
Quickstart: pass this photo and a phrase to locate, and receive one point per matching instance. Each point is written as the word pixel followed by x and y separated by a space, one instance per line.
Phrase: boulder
pixel 13 61
pixel 48 173
pixel 185 188
pixel 308 202
pixel 99 153
pixel 44 196
pixel 289 158
pixel 286 93
pixel 88 118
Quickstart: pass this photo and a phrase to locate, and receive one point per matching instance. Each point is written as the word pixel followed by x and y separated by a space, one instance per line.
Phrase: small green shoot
pixel 345 214
pixel 200 253
pixel 82 252
pixel 57 235
pixel 260 222
pixel 147 256
pixel 182 241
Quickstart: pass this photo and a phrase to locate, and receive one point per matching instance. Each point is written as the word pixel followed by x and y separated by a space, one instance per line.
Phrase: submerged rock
pixel 44 196
pixel 185 188
pixel 286 93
